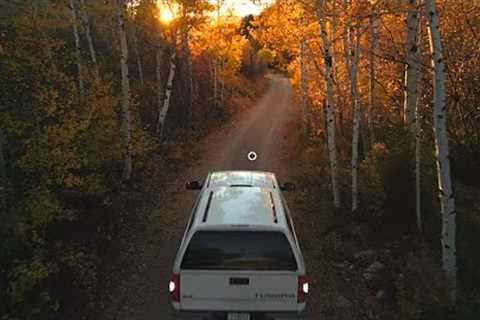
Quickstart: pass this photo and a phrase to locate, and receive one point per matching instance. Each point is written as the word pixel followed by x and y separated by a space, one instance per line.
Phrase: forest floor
pixel 351 273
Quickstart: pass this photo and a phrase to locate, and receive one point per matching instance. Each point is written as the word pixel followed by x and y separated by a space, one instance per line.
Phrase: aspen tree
pixel 303 87
pixel 88 34
pixel 418 149
pixel 347 25
pixel 447 199
pixel 168 94
pixel 78 54
pixel 356 118
pixel 373 24
pixel 158 76
pixel 330 107
pixel 411 68
pixel 139 59
pixel 125 101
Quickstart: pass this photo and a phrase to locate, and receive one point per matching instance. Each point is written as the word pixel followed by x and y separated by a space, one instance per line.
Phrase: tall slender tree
pixel 356 116
pixel 138 57
pixel 78 53
pixel 158 76
pixel 125 101
pixel 445 188
pixel 330 107
pixel 411 68
pixel 418 153
pixel 88 34
pixel 346 36
pixel 3 172
pixel 168 94
pixel 373 25
pixel 303 88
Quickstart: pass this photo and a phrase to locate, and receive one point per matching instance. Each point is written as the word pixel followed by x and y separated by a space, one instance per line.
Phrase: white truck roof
pixel 241 178
pixel 246 198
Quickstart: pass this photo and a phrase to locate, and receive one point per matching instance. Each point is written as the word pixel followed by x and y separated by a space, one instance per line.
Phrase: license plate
pixel 238 316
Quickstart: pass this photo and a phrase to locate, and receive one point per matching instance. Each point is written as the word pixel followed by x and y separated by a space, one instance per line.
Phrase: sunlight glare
pixel 243 8
pixel 165 14
pixel 246 7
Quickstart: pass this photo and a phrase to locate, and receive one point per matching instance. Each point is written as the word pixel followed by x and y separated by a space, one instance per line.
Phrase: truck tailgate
pixel 238 291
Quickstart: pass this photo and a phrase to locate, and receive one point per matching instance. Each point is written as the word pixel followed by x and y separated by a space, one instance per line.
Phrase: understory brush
pixel 342 248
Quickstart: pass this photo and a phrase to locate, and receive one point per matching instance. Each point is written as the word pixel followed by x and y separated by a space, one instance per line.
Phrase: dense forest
pixel 93 93
pixel 101 100
pixel 377 81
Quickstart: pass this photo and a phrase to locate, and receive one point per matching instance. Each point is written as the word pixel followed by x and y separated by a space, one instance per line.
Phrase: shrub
pixel 421 290
pixel 373 191
pixel 387 185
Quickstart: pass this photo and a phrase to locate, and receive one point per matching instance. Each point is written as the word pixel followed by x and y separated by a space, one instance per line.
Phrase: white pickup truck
pixel 239 258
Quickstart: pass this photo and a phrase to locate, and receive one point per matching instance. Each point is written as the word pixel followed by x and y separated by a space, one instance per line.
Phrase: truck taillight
pixel 302 289
pixel 174 287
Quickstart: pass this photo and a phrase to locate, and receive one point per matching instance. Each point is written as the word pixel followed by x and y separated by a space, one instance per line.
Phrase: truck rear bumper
pixel 253 316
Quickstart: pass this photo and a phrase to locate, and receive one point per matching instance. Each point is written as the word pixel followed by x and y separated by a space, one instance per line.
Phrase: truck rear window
pixel 239 250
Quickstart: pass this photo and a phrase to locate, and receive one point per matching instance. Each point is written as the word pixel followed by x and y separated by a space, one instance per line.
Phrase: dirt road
pixel 263 129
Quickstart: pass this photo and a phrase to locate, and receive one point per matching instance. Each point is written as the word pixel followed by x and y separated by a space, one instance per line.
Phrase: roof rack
pixel 274 210
pixel 205 214
pixel 240 185
pixel 208 181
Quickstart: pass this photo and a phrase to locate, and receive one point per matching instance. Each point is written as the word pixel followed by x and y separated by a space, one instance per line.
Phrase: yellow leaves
pixel 71 139
pixel 281 27
pixel 219 45
pixel 53 153
pixel 266 55
pixel 49 100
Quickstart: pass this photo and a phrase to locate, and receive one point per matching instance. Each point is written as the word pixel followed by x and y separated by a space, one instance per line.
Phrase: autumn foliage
pixel 62 148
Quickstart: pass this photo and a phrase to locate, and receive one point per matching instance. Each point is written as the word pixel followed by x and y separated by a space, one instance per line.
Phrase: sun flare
pixel 166 14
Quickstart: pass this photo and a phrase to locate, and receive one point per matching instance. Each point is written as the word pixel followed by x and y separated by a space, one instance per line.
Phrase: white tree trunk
pixel 139 59
pixel 188 71
pixel 346 36
pixel 222 85
pixel 411 68
pixel 303 89
pixel 3 173
pixel 447 199
pixel 330 108
pixel 221 79
pixel 339 106
pixel 126 119
pixel 158 58
pixel 168 94
pixel 418 140
pixel 347 26
pixel 372 78
pixel 418 150
pixel 356 119
pixel 334 37
pixel 88 33
pixel 78 54
pixel 215 82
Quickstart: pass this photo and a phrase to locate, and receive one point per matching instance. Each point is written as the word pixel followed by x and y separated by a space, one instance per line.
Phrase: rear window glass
pixel 239 250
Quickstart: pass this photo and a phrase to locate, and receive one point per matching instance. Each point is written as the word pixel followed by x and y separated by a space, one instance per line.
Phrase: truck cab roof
pixel 240 199
pixel 260 179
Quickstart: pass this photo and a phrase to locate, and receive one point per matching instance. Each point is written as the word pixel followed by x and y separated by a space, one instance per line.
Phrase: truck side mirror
pixel 193 185
pixel 288 186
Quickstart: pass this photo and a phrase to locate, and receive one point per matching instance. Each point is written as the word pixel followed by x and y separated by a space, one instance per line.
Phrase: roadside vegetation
pixel 370 207
pixel 103 102
pixel 99 98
